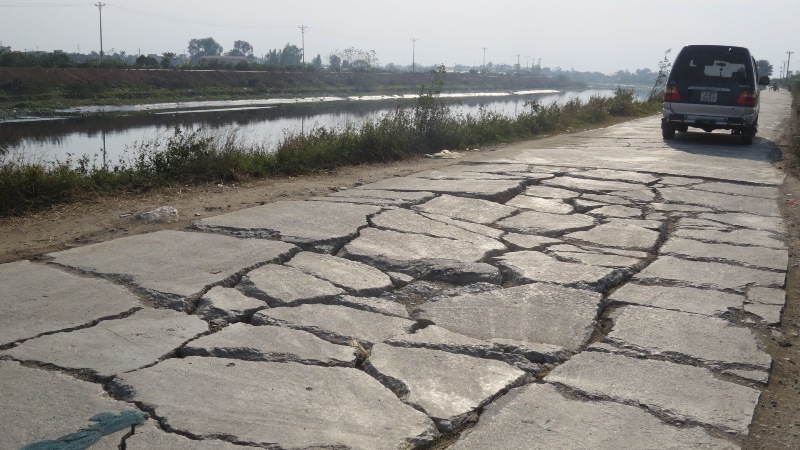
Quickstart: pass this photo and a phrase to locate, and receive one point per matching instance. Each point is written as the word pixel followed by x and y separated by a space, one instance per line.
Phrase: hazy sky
pixel 587 35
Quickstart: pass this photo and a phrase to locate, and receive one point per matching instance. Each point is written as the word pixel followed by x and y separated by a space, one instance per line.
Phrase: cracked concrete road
pixel 598 294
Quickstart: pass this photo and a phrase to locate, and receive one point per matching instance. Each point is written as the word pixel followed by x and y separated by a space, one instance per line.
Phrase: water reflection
pixel 108 138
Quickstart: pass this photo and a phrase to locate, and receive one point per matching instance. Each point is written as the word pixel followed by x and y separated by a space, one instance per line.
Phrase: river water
pixel 105 138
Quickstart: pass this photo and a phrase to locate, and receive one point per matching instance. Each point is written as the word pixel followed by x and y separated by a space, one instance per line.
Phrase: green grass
pixel 426 126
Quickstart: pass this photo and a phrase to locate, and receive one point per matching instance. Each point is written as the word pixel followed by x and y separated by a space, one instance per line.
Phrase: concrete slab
pixel 721 202
pixel 608 199
pixel 472 227
pixel 617 211
pixel 583 206
pixel 679 208
pixel 281 285
pixel 687 338
pixel 360 192
pixel 637 195
pixel 528 241
pixel 621 235
pixel 596 257
pixel 539 417
pixel 39 405
pixel 173 265
pixel 114 346
pixel 536 352
pixel 239 400
pixel 758 257
pixel 535 313
pixel 735 237
pixel 584 184
pixel 617 175
pixel 446 386
pixel 533 267
pixel 698 398
pixel 769 192
pixel 547 205
pixel 550 192
pixel 766 296
pixel 468 209
pixel 354 277
pixel 680 181
pixel 227 304
pixel 752 221
pixel 547 224
pixel 770 314
pixel 373 304
pixel 380 202
pixel 406 221
pixel 759 376
pixel 337 324
pixel 375 246
pixel 36 299
pixel 686 299
pixel 321 225
pixel 148 437
pixel 468 186
pixel 712 275
pixel 433 337
pixel 275 344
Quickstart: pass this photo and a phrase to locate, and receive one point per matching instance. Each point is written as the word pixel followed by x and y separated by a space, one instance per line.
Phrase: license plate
pixel 708 96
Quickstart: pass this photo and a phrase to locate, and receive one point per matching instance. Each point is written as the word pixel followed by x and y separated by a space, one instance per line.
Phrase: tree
pixel 317 62
pixel 335 62
pixel 241 48
pixel 356 59
pixel 764 68
pixel 204 47
pixel 661 78
pixel 166 62
pixel 146 61
pixel 291 55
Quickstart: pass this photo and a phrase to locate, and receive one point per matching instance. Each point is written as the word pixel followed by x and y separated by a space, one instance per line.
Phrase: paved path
pixel 596 294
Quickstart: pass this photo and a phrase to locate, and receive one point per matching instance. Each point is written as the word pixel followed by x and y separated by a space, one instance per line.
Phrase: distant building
pixel 5 49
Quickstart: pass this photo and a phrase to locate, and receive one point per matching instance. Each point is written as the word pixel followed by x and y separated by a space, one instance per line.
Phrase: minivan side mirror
pixel 763 81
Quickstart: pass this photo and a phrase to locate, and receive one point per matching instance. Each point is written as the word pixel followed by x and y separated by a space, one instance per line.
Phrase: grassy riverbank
pixel 189 157
pixel 39 90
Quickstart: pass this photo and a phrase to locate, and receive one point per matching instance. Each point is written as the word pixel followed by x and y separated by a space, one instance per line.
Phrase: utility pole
pixel 787 64
pixel 518 66
pixel 303 32
pixel 100 8
pixel 413 55
pixel 484 61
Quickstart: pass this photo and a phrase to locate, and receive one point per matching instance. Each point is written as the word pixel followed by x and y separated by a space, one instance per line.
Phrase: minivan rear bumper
pixel 706 121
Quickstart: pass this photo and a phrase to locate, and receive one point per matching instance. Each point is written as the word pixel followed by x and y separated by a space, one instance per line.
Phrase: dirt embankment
pixel 25 87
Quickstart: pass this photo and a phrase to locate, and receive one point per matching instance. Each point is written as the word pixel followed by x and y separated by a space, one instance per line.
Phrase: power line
pixel 40 5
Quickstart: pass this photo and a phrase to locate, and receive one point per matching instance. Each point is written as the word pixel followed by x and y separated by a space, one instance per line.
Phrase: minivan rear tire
pixel 668 131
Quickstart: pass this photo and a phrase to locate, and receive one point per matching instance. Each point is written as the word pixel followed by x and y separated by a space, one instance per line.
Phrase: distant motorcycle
pixel 775 87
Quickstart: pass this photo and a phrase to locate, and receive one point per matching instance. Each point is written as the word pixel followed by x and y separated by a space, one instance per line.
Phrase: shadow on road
pixel 724 145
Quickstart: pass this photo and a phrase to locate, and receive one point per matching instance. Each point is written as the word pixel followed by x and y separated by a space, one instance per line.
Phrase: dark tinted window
pixel 713 65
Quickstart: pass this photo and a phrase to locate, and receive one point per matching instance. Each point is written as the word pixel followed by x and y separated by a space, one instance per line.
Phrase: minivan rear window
pixel 712 66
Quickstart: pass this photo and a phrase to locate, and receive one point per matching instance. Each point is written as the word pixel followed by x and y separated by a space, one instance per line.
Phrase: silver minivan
pixel 713 87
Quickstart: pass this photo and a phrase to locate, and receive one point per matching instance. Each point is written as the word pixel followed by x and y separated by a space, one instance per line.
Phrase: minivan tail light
pixel 747 98
pixel 671 94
